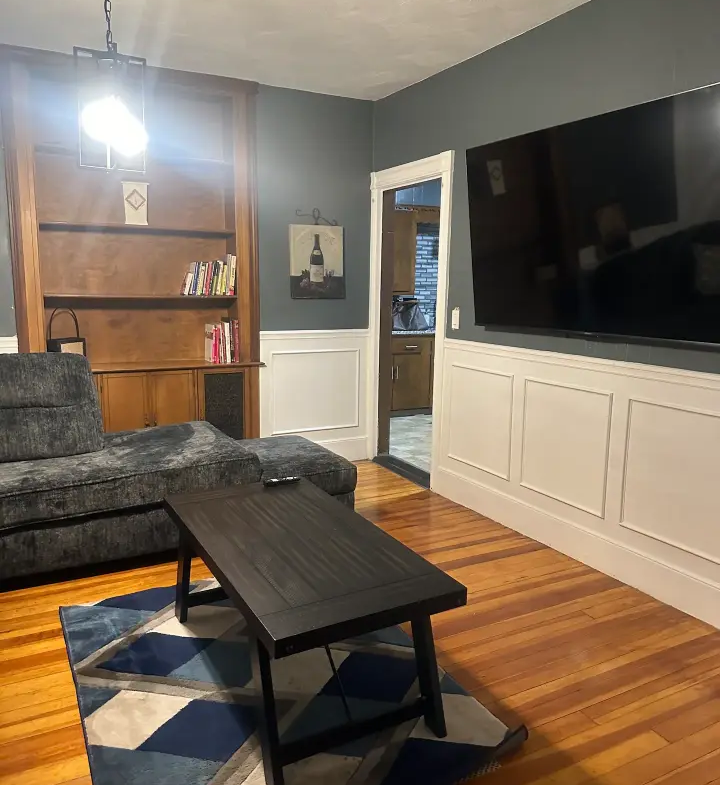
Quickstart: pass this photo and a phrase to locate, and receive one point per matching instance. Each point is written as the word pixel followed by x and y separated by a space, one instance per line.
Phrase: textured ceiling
pixel 358 48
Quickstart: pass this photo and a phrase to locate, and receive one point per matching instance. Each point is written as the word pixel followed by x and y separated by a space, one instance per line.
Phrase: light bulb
pixel 109 121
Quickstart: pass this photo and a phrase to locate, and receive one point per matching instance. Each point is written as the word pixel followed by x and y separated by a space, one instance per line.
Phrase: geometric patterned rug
pixel 164 703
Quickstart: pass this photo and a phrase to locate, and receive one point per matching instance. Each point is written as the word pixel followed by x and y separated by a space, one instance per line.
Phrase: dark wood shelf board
pixel 63 226
pixel 140 300
pixel 167 365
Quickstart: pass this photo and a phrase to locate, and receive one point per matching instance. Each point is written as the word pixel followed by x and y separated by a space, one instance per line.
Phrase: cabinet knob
pixel 411 346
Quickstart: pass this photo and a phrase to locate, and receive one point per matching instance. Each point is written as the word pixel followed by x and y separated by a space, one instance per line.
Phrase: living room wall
pixel 604 55
pixel 313 151
pixel 7 314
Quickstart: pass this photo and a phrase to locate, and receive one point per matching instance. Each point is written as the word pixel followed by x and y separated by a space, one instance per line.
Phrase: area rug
pixel 164 703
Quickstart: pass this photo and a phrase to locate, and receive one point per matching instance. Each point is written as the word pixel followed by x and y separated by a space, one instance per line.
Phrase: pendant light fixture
pixel 111 105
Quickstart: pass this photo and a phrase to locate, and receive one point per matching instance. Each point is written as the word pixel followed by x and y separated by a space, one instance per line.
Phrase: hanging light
pixel 111 103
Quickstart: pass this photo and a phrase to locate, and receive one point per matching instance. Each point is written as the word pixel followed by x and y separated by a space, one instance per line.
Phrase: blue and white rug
pixel 164 703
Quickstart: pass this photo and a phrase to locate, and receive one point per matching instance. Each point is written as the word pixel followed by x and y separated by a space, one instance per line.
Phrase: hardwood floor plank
pixel 616 688
pixel 668 760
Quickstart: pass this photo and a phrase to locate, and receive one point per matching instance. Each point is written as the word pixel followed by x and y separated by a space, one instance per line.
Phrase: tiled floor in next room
pixel 411 439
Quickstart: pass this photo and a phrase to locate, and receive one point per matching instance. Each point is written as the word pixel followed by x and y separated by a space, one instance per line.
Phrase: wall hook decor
pixel 316 216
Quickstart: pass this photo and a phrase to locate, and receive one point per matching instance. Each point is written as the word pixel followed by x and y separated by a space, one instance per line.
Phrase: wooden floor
pixel 616 688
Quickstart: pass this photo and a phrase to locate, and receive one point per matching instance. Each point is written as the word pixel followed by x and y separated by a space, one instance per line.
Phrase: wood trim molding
pixel 406 175
pixel 243 109
pixel 20 172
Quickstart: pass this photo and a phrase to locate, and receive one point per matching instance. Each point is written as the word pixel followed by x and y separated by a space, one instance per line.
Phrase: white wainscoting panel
pixel 314 385
pixel 615 464
pixel 480 418
pixel 575 423
pixel 8 345
pixel 671 485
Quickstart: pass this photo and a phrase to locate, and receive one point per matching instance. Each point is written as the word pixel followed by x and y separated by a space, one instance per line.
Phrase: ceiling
pixel 358 48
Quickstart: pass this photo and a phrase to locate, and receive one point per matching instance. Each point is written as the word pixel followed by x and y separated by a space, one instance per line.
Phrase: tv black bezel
pixel 670 343
pixel 639 340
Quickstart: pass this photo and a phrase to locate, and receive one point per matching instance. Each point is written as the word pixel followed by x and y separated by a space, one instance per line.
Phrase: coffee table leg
pixel 267 727
pixel 428 675
pixel 182 587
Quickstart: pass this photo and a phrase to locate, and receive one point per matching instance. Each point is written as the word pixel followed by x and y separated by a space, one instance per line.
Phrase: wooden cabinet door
pixel 405 242
pixel 173 397
pixel 124 399
pixel 410 390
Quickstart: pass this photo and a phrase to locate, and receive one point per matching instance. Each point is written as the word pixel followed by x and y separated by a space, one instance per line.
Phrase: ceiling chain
pixel 108 35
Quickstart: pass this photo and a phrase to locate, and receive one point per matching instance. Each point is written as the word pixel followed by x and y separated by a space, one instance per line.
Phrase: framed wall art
pixel 316 262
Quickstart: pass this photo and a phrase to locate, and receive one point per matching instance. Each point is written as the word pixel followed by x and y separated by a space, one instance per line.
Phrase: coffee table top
pixel 304 569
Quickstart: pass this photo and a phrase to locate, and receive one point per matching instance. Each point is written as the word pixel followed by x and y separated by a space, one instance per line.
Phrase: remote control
pixel 274 483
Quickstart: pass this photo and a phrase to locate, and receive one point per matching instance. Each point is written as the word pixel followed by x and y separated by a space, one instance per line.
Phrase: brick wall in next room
pixel 426 269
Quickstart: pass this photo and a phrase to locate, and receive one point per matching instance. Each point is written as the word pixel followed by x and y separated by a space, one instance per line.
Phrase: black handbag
pixel 74 345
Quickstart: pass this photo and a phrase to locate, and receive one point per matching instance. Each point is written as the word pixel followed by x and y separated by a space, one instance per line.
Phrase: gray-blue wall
pixel 313 151
pixel 604 55
pixel 7 314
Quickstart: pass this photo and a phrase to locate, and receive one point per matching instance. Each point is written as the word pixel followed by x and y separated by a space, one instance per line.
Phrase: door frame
pixel 405 176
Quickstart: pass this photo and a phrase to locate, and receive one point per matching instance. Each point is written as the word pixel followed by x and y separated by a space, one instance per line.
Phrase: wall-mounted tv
pixel 607 227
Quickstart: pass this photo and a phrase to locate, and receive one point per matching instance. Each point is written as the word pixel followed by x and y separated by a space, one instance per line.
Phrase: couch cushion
pixel 293 456
pixel 135 468
pixel 48 407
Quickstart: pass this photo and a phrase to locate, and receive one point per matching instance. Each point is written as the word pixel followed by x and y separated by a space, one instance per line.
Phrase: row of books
pixel 222 341
pixel 211 278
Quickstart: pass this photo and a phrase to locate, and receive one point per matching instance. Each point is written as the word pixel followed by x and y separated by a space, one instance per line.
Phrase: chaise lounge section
pixel 71 495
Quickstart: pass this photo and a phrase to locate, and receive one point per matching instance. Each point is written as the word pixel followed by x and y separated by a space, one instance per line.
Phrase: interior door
pixel 124 401
pixel 173 397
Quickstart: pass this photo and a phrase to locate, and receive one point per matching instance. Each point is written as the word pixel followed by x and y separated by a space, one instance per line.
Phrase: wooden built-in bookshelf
pixel 72 248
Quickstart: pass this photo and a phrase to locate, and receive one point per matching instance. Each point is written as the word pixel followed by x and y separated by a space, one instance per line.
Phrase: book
pixel 233 273
pixel 216 278
pixel 222 344
pixel 209 341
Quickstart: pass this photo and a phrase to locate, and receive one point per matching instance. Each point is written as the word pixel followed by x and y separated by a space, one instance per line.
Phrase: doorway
pixel 411 227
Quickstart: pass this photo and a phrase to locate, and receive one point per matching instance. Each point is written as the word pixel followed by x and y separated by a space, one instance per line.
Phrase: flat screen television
pixel 608 227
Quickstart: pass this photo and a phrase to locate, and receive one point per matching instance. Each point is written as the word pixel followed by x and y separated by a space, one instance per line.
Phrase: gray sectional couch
pixel 71 495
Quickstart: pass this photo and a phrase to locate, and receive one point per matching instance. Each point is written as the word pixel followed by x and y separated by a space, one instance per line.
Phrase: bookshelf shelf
pixel 155 156
pixel 53 299
pixel 167 365
pixel 65 226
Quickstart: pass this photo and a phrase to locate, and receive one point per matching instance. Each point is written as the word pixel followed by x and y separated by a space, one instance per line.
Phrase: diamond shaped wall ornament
pixel 135 202
pixel 135 199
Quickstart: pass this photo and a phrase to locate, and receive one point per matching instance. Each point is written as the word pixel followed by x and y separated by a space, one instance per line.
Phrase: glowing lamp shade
pixel 109 121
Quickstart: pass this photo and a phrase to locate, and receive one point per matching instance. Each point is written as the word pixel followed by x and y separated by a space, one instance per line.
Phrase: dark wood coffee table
pixel 306 571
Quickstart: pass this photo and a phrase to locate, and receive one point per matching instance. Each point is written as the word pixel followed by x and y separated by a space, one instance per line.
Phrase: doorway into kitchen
pixel 411 230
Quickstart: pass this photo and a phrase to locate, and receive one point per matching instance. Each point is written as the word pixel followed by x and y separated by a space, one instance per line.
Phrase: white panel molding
pixel 653 468
pixel 708 381
pixel 354 385
pixel 295 335
pixel 674 542
pixel 504 474
pixel 335 360
pixel 8 344
pixel 657 577
pixel 598 512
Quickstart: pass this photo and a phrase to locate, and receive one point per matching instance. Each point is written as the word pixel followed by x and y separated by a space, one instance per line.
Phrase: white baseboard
pixel 680 589
pixel 354 449
pixel 8 345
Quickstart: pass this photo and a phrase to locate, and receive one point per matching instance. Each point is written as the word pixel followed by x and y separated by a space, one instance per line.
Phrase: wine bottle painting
pixel 316 262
